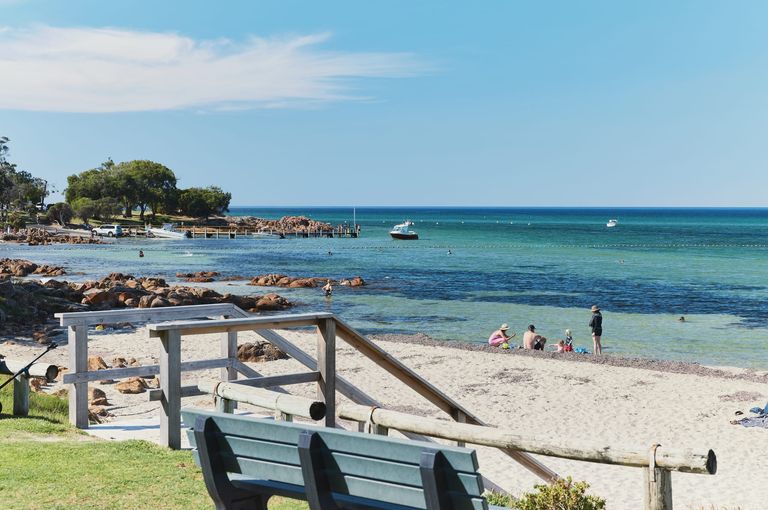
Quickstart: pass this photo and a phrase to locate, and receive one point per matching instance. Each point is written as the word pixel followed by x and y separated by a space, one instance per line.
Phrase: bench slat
pixel 397 450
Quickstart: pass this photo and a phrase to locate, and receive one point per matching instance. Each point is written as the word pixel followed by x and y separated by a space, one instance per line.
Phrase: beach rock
pixel 99 298
pixel 96 363
pixel 97 397
pixel 270 302
pixel 259 352
pixel 98 414
pixel 132 385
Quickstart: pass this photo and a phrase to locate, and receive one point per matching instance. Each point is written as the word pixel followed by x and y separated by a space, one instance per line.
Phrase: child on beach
pixel 568 341
pixel 560 346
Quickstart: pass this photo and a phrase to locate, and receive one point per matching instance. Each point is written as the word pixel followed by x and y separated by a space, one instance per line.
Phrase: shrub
pixel 562 495
pixel 499 499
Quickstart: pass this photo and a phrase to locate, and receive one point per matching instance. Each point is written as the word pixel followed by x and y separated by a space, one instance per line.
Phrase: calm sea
pixel 544 266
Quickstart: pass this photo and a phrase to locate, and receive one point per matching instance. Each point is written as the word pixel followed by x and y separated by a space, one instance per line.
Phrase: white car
pixel 108 230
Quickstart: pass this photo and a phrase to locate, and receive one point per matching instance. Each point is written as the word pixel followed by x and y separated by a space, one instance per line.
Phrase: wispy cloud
pixel 103 70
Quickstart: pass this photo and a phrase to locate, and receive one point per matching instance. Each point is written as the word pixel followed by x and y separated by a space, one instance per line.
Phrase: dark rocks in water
pixel 25 304
pixel 21 267
pixel 281 280
pixel 259 352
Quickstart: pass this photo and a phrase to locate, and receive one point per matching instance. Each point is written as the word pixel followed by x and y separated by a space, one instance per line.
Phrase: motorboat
pixel 402 231
pixel 612 223
pixel 266 234
pixel 167 231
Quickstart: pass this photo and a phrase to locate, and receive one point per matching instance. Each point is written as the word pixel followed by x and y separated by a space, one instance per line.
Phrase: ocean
pixel 542 266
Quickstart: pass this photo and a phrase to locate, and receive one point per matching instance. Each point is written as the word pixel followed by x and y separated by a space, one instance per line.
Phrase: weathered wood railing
pixel 79 376
pixel 21 382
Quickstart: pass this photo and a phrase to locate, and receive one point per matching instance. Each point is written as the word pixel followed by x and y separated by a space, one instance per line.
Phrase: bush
pixel 499 499
pixel 562 495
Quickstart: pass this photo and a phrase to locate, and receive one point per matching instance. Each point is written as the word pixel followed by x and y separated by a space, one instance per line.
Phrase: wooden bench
pixel 245 461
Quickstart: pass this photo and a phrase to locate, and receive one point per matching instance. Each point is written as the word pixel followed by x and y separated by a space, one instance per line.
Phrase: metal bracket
pixel 652 462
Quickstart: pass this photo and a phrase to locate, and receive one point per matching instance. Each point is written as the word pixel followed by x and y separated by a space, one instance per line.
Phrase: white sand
pixel 620 407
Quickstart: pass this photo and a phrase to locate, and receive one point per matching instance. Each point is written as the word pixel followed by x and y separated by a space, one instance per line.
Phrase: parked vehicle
pixel 108 230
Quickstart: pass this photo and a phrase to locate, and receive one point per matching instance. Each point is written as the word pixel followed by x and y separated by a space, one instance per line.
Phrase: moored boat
pixel 612 223
pixel 167 231
pixel 401 231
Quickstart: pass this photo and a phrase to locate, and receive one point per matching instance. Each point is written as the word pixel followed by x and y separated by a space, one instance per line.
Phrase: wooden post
pixel 21 395
pixel 77 344
pixel 326 365
pixel 658 489
pixel 225 405
pixel 229 351
pixel 460 417
pixel 658 484
pixel 170 383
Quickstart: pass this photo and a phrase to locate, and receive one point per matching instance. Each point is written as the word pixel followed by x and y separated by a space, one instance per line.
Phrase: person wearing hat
pixel 500 337
pixel 596 323
pixel 532 340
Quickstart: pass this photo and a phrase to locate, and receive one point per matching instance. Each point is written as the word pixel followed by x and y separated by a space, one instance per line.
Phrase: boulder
pixel 96 363
pixel 132 385
pixel 259 352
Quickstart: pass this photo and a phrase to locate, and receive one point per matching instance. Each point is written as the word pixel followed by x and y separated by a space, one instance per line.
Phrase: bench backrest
pixel 358 470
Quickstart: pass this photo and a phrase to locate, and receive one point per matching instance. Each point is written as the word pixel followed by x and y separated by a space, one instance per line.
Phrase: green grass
pixel 47 464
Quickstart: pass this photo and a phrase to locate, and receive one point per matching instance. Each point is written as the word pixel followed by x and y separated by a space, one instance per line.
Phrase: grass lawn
pixel 46 464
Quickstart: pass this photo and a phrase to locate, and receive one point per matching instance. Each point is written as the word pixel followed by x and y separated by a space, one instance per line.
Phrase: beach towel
pixel 581 350
pixel 753 421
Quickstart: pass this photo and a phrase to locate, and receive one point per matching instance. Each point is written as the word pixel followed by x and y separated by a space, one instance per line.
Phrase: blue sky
pixel 398 103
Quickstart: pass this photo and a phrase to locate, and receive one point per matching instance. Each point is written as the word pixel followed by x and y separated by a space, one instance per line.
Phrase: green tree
pixel 18 189
pixel 84 208
pixel 204 202
pixel 61 212
pixel 154 184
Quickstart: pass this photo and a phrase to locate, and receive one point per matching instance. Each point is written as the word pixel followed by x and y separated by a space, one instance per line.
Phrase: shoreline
pixel 653 364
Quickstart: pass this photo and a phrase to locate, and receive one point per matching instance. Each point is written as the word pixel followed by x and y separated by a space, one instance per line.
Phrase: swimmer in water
pixel 141 254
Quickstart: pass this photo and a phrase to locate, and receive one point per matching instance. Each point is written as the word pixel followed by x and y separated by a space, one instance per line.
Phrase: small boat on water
pixel 612 223
pixel 265 234
pixel 401 231
pixel 167 231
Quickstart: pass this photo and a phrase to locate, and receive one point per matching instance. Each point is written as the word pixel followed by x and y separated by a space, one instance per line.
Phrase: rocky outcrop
pixel 281 280
pixel 199 277
pixel 40 237
pixel 132 385
pixel 21 267
pixel 259 352
pixel 26 305
pixel 284 224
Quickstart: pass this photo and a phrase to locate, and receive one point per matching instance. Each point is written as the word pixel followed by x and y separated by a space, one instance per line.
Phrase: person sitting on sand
pixel 568 341
pixel 500 337
pixel 560 346
pixel 531 340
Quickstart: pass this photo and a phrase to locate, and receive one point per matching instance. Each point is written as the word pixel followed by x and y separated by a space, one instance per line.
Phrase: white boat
pixel 401 231
pixel 265 234
pixel 612 223
pixel 167 232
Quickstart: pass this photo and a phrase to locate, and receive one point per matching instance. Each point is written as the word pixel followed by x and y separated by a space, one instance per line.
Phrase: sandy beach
pixel 617 402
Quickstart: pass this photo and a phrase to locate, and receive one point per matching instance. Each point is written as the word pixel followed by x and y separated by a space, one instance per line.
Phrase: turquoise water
pixel 520 266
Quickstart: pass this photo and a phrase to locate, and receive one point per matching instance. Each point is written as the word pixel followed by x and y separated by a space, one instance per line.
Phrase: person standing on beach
pixel 596 323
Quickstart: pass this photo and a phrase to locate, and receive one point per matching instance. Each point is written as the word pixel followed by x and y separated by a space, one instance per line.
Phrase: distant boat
pixel 612 223
pixel 265 234
pixel 167 232
pixel 401 231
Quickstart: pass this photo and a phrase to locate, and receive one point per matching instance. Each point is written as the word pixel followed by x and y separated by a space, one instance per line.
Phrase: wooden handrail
pixel 145 314
pixel 247 323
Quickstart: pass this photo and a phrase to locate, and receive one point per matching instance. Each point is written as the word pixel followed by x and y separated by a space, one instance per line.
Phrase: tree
pixel 107 208
pixel 204 202
pixel 154 184
pixel 61 212
pixel 18 189
pixel 84 208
